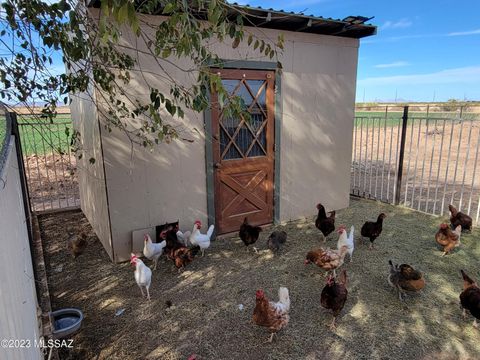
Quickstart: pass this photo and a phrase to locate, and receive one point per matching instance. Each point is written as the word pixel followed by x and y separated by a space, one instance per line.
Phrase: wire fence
pixel 419 160
pixel 50 167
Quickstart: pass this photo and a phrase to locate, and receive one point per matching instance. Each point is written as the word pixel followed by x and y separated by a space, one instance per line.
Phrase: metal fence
pixel 423 161
pixel 50 167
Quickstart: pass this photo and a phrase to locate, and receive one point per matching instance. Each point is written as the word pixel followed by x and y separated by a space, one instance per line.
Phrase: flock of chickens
pixel 175 245
pixel 404 278
pixel 181 249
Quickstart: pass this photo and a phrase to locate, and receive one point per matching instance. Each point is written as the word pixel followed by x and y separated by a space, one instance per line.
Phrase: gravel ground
pixel 205 318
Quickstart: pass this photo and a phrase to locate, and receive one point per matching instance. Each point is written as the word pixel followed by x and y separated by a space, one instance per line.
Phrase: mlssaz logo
pixel 54 343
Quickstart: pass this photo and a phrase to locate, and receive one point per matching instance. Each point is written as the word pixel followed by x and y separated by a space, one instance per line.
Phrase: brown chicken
pixel 405 279
pixel 273 315
pixel 458 218
pixel 323 223
pixel 470 298
pixel 249 234
pixel 77 243
pixel 327 259
pixel 183 256
pixel 170 236
pixel 372 229
pixel 447 238
pixel 334 295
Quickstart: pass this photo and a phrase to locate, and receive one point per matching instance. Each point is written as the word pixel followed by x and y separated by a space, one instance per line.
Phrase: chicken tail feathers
pixel 351 235
pixel 210 230
pixel 284 297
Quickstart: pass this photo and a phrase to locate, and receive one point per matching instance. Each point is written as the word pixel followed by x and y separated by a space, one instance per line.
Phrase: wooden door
pixel 243 152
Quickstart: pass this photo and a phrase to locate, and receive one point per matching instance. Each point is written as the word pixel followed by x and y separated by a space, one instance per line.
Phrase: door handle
pixel 217 165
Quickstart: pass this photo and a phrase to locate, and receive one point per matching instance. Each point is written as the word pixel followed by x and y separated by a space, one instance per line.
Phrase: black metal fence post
pixel 398 185
pixel 21 169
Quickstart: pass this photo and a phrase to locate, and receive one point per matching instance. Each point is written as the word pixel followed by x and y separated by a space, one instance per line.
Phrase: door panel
pixel 243 151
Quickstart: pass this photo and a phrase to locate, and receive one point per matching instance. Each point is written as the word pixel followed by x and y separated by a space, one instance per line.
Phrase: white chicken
pixel 153 251
pixel 202 240
pixel 143 274
pixel 184 237
pixel 343 240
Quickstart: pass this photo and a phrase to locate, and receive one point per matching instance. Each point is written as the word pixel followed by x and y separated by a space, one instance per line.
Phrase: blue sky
pixel 424 50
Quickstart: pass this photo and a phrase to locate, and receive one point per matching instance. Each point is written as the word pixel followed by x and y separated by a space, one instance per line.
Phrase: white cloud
pixel 464 33
pixel 465 75
pixel 402 23
pixel 392 65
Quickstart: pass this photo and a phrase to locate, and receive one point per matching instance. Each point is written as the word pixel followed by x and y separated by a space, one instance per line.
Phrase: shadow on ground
pixel 205 318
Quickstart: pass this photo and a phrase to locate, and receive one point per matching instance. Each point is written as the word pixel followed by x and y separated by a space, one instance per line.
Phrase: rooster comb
pixel 133 258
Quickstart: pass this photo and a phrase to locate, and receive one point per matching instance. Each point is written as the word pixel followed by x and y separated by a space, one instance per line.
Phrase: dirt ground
pixel 205 318
pixel 431 172
pixel 52 181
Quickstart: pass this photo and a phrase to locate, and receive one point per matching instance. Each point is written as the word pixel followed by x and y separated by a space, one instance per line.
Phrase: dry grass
pixel 205 318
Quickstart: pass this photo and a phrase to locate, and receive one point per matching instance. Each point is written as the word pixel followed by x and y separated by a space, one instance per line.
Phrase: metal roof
pixel 351 26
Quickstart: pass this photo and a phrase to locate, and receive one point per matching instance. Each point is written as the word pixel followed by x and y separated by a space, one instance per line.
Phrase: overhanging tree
pixel 32 31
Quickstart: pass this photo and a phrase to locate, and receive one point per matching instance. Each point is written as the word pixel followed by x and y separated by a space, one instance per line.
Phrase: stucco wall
pixel 318 97
pixel 318 88
pixel 91 177
pixel 18 299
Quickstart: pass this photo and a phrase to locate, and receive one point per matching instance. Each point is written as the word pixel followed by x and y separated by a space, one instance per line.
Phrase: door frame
pixel 246 65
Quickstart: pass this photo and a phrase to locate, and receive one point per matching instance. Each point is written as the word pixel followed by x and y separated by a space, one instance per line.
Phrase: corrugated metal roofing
pixel 351 26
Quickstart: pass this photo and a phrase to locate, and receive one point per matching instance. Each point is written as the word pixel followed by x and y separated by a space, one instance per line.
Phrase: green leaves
pixel 169 8
pixel 98 57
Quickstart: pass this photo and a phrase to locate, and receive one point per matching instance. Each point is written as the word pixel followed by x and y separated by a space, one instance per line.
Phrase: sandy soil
pixel 52 181
pixel 205 318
